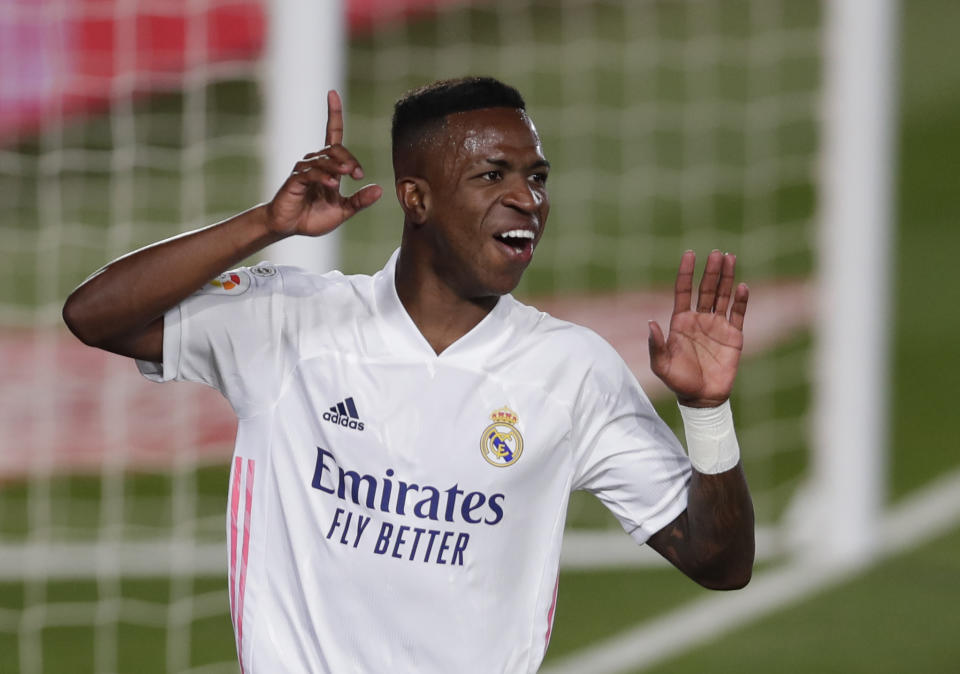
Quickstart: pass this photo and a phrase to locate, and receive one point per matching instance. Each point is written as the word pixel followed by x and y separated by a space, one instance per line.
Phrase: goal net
pixel 670 124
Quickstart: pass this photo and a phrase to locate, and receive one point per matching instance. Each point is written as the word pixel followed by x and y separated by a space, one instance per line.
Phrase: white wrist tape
pixel 711 441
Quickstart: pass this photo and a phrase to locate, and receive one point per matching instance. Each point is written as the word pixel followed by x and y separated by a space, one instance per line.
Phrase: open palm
pixel 698 360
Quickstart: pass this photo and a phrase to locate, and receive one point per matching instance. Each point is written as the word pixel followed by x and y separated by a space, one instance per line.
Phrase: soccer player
pixel 408 442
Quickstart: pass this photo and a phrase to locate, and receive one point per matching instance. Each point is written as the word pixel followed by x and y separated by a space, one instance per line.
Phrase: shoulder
pixel 298 282
pixel 578 366
pixel 266 278
pixel 289 295
pixel 561 336
pixel 574 351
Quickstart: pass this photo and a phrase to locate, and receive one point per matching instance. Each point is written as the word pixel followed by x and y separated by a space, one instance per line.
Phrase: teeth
pixel 518 233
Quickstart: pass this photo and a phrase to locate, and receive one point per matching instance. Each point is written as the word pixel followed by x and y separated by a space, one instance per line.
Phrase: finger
pixel 334 118
pixel 336 152
pixel 739 309
pixel 323 170
pixel 683 289
pixel 707 294
pixel 324 163
pixel 336 163
pixel 350 165
pixel 726 283
pixel 657 346
pixel 365 197
pixel 306 182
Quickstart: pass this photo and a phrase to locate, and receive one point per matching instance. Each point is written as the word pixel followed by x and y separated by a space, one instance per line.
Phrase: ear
pixel 414 197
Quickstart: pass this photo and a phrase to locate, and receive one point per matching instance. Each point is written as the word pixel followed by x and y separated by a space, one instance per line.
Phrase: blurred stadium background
pixel 671 124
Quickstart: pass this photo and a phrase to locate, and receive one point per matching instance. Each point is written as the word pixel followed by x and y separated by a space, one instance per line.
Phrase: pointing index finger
pixel 334 118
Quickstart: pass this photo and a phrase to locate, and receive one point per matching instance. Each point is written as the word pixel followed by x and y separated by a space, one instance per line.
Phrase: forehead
pixel 477 134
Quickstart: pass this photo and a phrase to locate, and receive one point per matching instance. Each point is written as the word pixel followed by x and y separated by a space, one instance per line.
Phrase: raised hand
pixel 699 359
pixel 309 201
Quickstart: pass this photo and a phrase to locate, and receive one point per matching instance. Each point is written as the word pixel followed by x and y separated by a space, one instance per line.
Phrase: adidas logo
pixel 344 414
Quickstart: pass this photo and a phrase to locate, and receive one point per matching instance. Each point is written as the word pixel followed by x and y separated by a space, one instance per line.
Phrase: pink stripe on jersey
pixel 247 509
pixel 553 607
pixel 234 510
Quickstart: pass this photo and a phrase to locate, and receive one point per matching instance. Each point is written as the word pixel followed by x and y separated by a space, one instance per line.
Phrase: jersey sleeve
pixel 626 455
pixel 228 335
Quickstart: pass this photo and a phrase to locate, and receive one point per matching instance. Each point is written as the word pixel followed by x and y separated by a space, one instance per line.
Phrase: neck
pixel 441 314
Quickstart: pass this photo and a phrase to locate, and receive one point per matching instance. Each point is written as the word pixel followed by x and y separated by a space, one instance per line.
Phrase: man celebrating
pixel 408 442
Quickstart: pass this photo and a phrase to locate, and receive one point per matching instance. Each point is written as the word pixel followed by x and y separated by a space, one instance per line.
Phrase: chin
pixel 506 287
pixel 502 282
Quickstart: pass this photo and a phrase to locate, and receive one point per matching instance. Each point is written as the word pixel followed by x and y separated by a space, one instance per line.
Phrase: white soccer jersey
pixel 392 510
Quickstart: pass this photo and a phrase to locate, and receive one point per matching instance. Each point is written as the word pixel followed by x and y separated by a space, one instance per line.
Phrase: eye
pixel 539 178
pixel 492 176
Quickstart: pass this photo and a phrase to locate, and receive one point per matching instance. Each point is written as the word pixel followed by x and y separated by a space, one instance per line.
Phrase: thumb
pixel 364 198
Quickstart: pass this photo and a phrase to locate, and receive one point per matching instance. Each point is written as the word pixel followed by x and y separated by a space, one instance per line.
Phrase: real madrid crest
pixel 501 443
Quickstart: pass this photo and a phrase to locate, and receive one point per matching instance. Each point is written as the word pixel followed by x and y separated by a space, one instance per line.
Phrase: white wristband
pixel 711 441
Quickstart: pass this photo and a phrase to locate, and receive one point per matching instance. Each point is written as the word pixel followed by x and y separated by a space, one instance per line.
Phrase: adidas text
pixel 343 420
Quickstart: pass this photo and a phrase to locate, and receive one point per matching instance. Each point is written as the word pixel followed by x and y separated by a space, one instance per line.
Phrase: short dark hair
pixel 424 106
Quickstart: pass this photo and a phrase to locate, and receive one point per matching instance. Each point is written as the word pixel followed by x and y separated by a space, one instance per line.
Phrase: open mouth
pixel 518 239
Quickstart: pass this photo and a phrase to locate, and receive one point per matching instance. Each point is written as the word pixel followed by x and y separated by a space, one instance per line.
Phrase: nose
pixel 523 196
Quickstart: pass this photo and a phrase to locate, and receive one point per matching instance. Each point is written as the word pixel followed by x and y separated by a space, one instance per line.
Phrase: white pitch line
pixel 933 511
pixel 587 550
pixel 46 560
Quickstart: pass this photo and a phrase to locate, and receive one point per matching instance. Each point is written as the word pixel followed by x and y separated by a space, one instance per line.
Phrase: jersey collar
pixel 486 337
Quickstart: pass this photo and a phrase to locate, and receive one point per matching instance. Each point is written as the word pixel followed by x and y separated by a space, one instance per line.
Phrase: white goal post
pixel 306 52
pixel 855 280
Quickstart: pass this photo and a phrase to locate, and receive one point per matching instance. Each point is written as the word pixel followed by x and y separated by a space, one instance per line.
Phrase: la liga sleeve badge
pixel 234 282
pixel 501 443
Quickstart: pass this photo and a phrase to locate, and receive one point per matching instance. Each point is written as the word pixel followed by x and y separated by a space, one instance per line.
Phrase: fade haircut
pixel 423 109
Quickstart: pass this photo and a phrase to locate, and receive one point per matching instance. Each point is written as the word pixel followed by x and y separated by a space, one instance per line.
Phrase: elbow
pixel 730 576
pixel 743 579
pixel 75 319
pixel 734 581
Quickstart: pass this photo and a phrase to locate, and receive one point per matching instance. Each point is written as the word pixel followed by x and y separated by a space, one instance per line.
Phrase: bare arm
pixel 712 541
pixel 120 307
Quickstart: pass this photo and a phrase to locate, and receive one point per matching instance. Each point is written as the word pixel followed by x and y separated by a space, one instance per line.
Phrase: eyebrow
pixel 503 163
